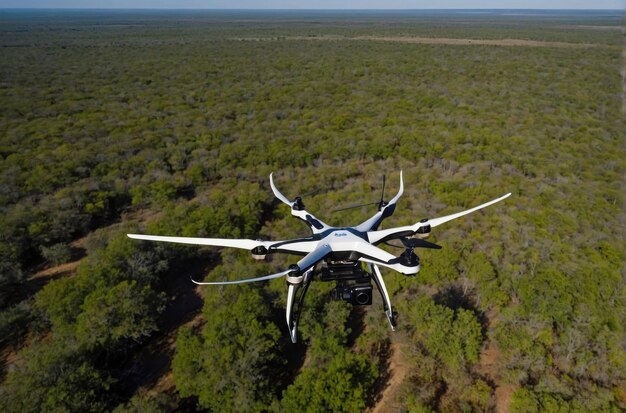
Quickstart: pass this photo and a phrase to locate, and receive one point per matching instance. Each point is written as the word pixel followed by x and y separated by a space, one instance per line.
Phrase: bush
pixel 56 254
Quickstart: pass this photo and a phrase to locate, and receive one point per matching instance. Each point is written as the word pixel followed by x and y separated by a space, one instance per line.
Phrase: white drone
pixel 339 250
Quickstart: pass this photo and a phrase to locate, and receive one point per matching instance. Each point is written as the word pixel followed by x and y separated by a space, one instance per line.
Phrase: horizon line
pixel 303 9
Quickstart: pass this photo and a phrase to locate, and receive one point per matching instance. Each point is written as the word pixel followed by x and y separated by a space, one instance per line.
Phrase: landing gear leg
pixel 380 283
pixel 297 288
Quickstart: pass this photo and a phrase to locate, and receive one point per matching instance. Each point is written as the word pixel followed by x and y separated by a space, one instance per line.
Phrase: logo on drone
pixel 341 234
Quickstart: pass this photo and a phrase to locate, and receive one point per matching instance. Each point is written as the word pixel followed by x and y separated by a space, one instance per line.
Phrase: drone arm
pixel 396 266
pixel 367 250
pixel 313 257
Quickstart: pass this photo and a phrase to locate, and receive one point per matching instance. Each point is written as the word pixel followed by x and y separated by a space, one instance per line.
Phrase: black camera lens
pixel 362 295
pixel 362 298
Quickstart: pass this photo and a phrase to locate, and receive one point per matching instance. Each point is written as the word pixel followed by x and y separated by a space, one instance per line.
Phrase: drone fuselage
pixel 345 244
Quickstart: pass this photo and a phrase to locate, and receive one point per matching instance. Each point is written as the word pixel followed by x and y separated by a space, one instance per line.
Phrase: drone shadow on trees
pixel 356 324
pixel 454 298
pixel 385 374
pixel 148 365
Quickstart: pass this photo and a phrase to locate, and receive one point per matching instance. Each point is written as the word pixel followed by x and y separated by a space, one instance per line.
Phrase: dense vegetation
pixel 170 123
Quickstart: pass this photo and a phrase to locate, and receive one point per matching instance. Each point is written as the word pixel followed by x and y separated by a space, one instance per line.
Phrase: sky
pixel 319 4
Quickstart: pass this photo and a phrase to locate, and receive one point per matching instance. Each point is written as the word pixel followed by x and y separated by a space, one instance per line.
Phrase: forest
pixel 170 122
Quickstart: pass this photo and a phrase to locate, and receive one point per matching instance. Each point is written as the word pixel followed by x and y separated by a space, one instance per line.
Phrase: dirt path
pixel 46 274
pixel 398 372
pixel 158 378
pixel 503 397
pixel 151 369
pixel 488 367
pixel 78 253
pixel 53 272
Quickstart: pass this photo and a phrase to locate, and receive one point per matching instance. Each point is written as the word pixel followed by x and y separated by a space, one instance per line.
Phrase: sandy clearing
pixel 482 42
pixel 435 40
pixel 591 27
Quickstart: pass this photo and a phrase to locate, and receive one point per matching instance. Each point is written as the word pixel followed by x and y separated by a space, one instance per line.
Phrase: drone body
pixel 339 251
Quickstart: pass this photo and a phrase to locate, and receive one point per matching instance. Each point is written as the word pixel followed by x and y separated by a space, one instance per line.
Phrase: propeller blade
pixel 355 206
pixel 277 193
pixel 400 191
pixel 311 193
pixel 379 203
pixel 414 243
pixel 438 221
pixel 246 244
pixel 392 233
pixel 283 198
pixel 419 243
pixel 248 280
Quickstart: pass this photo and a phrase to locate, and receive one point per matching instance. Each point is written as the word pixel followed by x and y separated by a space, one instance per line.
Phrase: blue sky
pixel 320 4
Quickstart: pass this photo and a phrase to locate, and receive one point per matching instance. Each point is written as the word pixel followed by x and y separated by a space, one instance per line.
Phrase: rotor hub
pixel 298 205
pixel 294 276
pixel 409 258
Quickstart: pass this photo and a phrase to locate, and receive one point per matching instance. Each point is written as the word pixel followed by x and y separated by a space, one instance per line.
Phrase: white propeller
pixel 297 210
pixel 438 221
pixel 295 246
pixel 278 194
pixel 248 280
pixel 246 244
pixel 375 237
